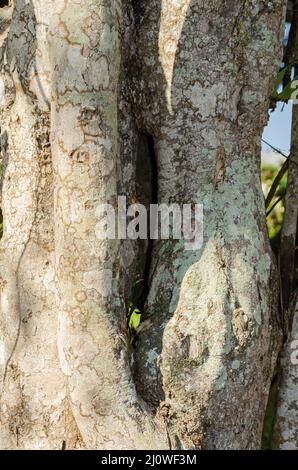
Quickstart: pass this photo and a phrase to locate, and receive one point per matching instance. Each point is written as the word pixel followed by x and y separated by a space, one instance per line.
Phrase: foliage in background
pixel 286 91
pixel 275 211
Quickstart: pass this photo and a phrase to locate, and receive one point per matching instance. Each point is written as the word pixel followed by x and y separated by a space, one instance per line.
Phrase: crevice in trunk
pixel 4 3
pixel 147 273
pixel 146 192
pixel 3 166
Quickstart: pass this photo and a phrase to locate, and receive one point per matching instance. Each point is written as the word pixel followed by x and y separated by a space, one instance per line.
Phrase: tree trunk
pixel 286 429
pixel 90 88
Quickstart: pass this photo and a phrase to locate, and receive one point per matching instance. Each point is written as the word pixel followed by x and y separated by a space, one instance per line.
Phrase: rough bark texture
pixel 85 81
pixel 286 428
pixel 213 343
pixel 285 431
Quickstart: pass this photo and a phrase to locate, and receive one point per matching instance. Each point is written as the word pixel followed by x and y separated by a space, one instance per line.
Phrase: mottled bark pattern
pixel 214 343
pixel 85 82
pixel 285 432
pixel 35 411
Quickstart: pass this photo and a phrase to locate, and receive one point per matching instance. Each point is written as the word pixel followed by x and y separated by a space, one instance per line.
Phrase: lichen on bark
pixel 85 83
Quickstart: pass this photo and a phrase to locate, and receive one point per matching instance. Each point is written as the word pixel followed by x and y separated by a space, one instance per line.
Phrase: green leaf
pixel 135 319
pixel 279 80
pixel 286 93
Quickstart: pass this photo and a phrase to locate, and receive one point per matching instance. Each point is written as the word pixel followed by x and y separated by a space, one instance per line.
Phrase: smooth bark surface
pixel 86 83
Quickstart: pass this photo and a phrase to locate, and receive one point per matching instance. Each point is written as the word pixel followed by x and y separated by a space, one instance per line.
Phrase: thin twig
pixel 275 183
pixel 275 149
pixel 275 204
pixel 287 157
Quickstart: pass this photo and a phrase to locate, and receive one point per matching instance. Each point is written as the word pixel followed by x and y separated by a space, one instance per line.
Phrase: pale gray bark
pixel 285 431
pixel 84 81
pixel 215 340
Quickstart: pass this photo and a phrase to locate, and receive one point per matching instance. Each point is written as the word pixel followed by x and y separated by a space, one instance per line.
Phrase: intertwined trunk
pixel 90 87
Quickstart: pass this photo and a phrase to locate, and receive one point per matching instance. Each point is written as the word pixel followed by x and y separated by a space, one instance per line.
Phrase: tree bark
pixel 214 341
pixel 285 435
pixel 286 430
pixel 85 83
